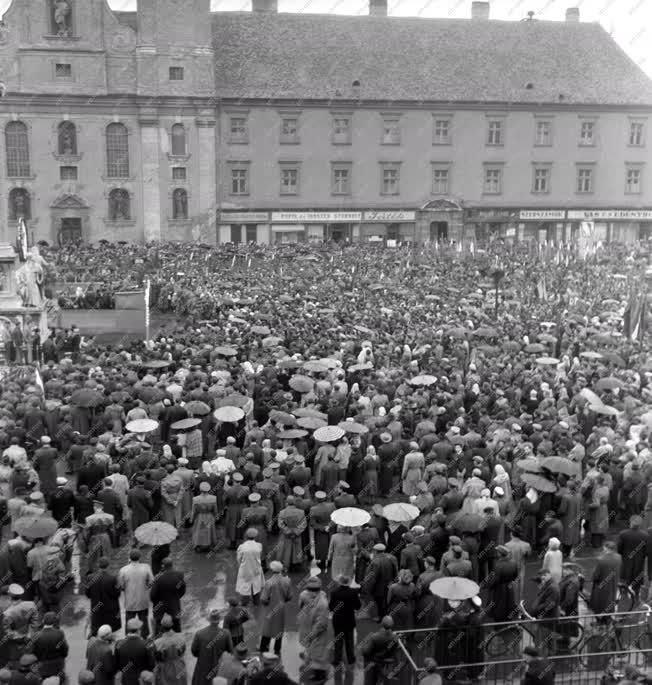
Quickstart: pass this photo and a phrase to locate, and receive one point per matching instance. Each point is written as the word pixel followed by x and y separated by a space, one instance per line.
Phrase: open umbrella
pixel 547 361
pixel 615 359
pixel 365 366
pixel 546 338
pixel 364 329
pixel 197 408
pixel 234 400
pixel 228 414
pixel 302 384
pixel 539 483
pixel 400 512
pixel 534 348
pixel 86 397
pixel 591 397
pixel 142 426
pixel 590 354
pixel 604 409
pixel 283 417
pixel 469 523
pixel 312 413
pixel 423 380
pixel 315 367
pixel 155 533
pixel 32 527
pixel 260 330
pixel 311 422
pixel 156 364
pixel 328 433
pixel 353 427
pixel 560 465
pixel 351 517
pixel 609 383
pixel 330 363
pixel 272 341
pixel 454 588
pixel 512 346
pixel 289 364
pixel 184 424
pixel 456 333
pixel 530 465
pixel 225 351
pixel 292 434
pixel 603 339
pixel 486 332
pixel 149 395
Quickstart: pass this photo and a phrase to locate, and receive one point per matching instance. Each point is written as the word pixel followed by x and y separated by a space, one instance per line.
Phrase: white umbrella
pixel 351 517
pixel 400 512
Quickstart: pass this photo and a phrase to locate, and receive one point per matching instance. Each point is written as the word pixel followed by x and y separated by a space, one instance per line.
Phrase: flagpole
pixel 147 317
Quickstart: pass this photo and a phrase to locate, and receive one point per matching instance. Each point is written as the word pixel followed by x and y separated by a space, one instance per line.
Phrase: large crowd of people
pixel 500 398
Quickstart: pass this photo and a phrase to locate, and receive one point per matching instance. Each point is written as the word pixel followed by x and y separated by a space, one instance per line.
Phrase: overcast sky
pixel 629 21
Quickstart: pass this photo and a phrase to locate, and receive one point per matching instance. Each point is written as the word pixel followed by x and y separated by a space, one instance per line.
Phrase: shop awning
pixel 287 228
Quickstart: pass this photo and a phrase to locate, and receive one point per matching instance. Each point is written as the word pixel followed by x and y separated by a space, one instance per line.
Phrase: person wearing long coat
pixel 314 625
pixel 413 467
pixel 204 513
pixel 501 583
pixel 235 500
pixel 341 553
pixel 599 514
pixel 320 522
pixel 276 593
pixel 208 645
pixel 250 578
pixel 103 591
pixel 570 517
pixel 45 464
pixel 171 494
pixel 291 524
pixel 401 597
pixel 140 504
pixel 169 651
pixel 428 608
pixel 605 580
pixel 188 481
pixel 257 516
pixel 633 545
pixel 526 517
pixel 365 540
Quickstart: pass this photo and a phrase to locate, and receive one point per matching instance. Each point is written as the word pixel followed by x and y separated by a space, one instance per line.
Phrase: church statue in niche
pixel 62 15
pixel 119 209
pixel 67 139
pixel 180 202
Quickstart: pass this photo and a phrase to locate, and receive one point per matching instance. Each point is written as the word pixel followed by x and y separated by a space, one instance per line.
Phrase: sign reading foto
pixel 389 216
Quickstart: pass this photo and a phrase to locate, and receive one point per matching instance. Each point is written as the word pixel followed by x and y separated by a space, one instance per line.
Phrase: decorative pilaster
pixel 150 178
pixel 206 203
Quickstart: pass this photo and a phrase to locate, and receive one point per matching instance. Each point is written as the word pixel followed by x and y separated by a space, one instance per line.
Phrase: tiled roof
pixel 303 56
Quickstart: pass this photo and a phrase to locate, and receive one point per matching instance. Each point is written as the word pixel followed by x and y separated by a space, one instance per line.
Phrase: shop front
pixel 390 226
pixel 611 225
pixel 289 227
pixel 243 227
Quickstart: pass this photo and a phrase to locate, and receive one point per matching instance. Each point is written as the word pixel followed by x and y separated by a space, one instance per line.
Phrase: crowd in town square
pixel 408 436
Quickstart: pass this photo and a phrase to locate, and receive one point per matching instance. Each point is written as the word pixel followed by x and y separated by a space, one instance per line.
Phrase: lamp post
pixel 497 276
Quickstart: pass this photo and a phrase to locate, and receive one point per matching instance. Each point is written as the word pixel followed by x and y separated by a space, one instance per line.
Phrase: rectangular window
pixel 585 180
pixel 341 179
pixel 63 70
pixel 236 233
pixel 442 132
pixel 341 129
pixel 493 180
pixel 68 173
pixel 239 180
pixel 440 178
pixel 543 133
pixel 179 173
pixel 636 133
pixel 289 180
pixel 495 133
pixel 176 73
pixel 391 131
pixel 252 233
pixel 238 129
pixel 390 179
pixel 289 130
pixel 587 133
pixel 633 180
pixel 541 180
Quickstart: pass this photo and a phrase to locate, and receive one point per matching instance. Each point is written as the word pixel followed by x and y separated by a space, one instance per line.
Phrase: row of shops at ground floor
pixel 437 222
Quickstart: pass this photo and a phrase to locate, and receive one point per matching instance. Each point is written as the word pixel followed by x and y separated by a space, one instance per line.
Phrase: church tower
pixel 174 51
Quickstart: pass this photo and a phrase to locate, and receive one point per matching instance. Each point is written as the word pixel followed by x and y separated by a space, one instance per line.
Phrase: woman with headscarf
pixel 526 516
pixel 371 464
pixel 204 513
pixel 341 553
pixel 501 480
pixel 401 597
pixel 553 559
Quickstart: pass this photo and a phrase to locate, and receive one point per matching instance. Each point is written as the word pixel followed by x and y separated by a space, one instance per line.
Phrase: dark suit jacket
pixel 208 645
pixel 111 501
pixel 62 500
pixel 381 573
pixel 132 656
pixel 166 593
pixel 102 590
pixel 51 649
pixel 141 505
pixel 343 603
pixel 91 475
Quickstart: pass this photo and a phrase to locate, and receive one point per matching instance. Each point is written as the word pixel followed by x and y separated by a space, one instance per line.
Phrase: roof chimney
pixel 264 5
pixel 377 8
pixel 480 10
pixel 573 15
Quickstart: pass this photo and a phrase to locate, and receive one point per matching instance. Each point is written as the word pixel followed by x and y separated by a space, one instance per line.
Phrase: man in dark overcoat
pixel 381 573
pixel 166 593
pixel 320 522
pixel 139 500
pixel 605 580
pixel 101 587
pixel 45 464
pixel 632 545
pixel 208 645
pixel 344 602
pixel 133 654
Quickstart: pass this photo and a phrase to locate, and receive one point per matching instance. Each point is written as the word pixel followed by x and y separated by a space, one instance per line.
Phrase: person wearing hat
pixel 343 498
pixel 235 500
pixel 270 672
pixel 61 503
pixel 20 621
pixel 133 654
pixel 303 502
pixel 501 584
pixel 169 650
pixel 187 478
pixel 140 503
pixel 26 671
pixel 257 516
pixel 204 514
pixel 171 493
pixel 135 580
pixel 538 670
pixel 99 656
pixel 166 594
pixel 250 578
pixel 343 604
pixel 378 650
pixel 97 535
pixel 50 647
pixel 320 522
pixel 431 676
pixel 270 494
pixel 291 524
pixel 276 593
pixel 314 630
pixel 382 570
pixel 208 645
pixel 413 468
pixel 103 591
pixel 388 456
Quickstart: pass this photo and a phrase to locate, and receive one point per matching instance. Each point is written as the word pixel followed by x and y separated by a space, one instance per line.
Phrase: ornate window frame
pixel 117 223
pixel 130 149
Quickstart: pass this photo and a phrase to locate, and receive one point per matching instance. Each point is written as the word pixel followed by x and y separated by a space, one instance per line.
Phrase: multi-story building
pixel 174 122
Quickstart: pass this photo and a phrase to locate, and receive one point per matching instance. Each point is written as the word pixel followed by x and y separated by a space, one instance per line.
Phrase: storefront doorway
pixel 339 233
pixel 70 231
pixel 438 231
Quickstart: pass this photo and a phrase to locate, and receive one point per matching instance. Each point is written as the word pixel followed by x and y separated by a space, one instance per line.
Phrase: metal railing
pixel 581 648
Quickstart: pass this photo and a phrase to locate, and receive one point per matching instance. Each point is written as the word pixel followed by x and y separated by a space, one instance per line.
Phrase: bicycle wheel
pixel 504 641
pixel 626 598
pixel 596 651
pixel 569 636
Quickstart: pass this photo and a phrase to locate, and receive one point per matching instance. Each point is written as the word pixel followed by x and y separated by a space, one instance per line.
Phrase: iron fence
pixel 580 648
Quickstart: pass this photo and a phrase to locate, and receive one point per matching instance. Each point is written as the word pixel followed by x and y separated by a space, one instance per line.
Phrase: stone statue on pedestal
pixel 29 279
pixel 62 18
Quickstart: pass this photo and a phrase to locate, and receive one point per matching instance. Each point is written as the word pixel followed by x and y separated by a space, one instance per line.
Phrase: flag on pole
pixel 21 240
pixel 39 381
pixel 634 318
pixel 541 289
pixel 233 262
pixel 147 313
